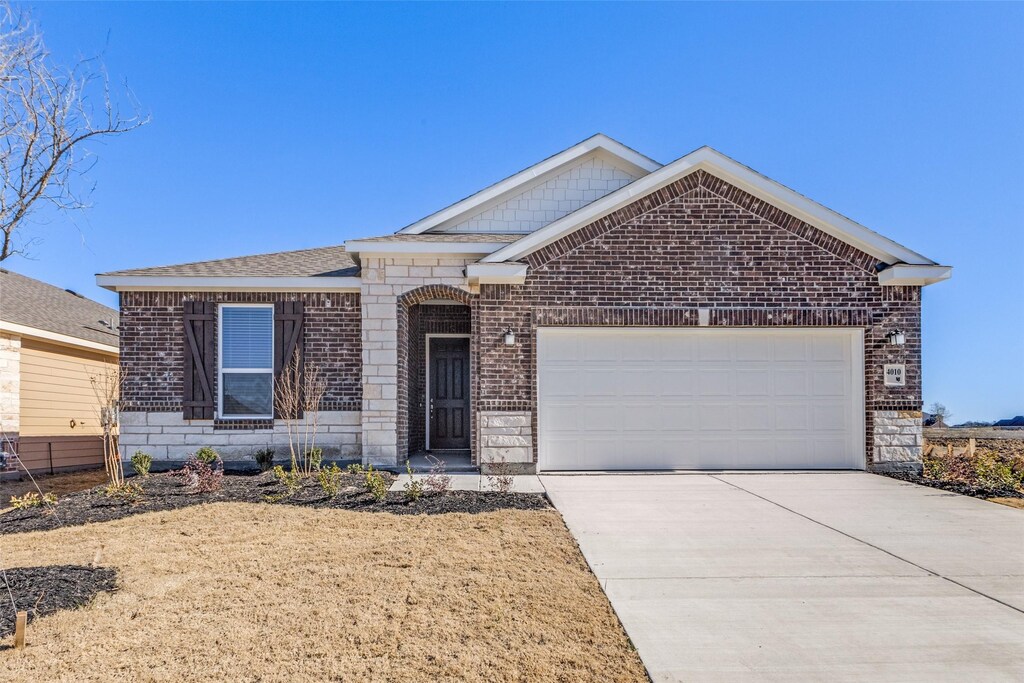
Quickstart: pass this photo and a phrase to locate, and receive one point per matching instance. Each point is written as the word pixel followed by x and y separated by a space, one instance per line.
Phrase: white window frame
pixel 240 371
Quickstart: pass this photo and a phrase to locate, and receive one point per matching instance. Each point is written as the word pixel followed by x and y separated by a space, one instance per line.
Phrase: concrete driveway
pixel 792 576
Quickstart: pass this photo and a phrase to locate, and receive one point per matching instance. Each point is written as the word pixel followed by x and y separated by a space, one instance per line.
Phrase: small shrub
pixel 330 479
pixel 993 472
pixel 33 500
pixel 264 458
pixel 128 491
pixel 413 487
pixel 315 458
pixel 207 455
pixel 290 479
pixel 356 469
pixel 201 475
pixel 500 477
pixel 141 462
pixel 376 485
pixel 437 480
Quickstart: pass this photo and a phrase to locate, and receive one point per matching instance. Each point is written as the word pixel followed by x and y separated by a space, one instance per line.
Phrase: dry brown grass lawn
pixel 1012 502
pixel 249 592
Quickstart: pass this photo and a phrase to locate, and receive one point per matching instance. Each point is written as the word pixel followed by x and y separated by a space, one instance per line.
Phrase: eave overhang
pixel 149 283
pixel 913 274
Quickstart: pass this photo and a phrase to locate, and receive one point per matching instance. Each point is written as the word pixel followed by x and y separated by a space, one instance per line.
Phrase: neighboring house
pixel 1010 422
pixel 52 343
pixel 597 311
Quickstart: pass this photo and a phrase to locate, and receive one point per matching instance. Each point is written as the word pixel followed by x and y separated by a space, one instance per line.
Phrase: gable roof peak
pixel 599 143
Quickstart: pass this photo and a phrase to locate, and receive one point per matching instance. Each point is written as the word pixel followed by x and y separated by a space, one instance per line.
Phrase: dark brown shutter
pixel 200 360
pixel 287 337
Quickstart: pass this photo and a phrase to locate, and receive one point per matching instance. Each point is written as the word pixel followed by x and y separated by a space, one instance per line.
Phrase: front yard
pixel 257 592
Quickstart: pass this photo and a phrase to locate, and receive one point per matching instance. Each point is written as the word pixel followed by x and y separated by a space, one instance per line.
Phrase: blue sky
pixel 283 126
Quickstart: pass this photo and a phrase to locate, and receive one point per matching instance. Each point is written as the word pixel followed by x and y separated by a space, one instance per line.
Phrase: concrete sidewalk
pixel 837 576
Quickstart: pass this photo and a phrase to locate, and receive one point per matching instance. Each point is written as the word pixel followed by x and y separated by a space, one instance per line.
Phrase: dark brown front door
pixel 449 392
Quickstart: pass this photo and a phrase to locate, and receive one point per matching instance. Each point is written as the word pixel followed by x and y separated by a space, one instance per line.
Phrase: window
pixel 246 361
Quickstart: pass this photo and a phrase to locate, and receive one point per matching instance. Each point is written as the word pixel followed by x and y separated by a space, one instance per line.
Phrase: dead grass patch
pixel 250 592
pixel 60 484
pixel 1011 502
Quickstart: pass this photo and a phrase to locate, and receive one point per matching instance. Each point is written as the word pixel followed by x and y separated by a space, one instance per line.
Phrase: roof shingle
pixel 30 302
pixel 320 262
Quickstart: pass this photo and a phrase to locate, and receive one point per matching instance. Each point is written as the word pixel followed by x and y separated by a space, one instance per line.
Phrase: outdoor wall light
pixel 510 337
pixel 896 338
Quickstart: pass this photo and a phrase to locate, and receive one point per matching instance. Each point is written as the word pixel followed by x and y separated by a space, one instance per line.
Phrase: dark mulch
pixel 963 488
pixel 45 590
pixel 167 492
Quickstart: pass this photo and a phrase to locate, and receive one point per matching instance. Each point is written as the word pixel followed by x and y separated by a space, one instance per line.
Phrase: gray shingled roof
pixel 29 302
pixel 470 237
pixel 320 262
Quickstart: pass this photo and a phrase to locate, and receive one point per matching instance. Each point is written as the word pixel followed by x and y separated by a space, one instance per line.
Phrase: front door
pixel 449 393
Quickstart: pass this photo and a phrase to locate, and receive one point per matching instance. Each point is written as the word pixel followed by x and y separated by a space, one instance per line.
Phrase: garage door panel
pixel 599 381
pixel 792 382
pixel 714 382
pixel 676 382
pixel 753 382
pixel 700 399
pixel 829 382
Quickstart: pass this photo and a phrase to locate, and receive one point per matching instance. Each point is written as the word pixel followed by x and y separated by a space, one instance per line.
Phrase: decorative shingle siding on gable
pixel 698 243
pixel 549 201
pixel 152 347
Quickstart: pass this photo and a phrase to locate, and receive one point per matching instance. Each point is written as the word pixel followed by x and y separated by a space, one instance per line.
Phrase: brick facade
pixel 696 252
pixel 699 243
pixel 152 344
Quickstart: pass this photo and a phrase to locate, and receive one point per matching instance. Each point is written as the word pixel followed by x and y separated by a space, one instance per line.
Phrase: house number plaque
pixel 895 375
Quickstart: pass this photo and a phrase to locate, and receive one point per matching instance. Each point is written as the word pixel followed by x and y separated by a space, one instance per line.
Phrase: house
pixel 1010 422
pixel 596 311
pixel 53 342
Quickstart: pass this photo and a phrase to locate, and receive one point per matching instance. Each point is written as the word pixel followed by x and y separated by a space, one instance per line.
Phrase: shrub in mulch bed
pixel 45 590
pixel 168 492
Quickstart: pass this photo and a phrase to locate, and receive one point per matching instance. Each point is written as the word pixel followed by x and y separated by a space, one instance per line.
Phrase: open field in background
pixel 255 592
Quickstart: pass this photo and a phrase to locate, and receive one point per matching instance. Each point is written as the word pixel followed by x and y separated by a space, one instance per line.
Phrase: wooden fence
pixel 49 454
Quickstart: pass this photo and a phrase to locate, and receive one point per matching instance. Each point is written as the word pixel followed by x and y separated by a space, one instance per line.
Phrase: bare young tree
pixel 107 386
pixel 48 114
pixel 298 392
pixel 941 414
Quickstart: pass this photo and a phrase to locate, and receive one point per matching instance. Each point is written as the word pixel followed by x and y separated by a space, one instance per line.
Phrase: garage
pixel 700 398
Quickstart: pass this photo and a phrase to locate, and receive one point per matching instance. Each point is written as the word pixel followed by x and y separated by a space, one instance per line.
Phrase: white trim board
pixel 509 186
pixel 727 169
pixel 426 372
pixel 55 337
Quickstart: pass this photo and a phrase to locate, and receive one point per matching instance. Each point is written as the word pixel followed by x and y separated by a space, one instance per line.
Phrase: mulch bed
pixel 167 492
pixel 45 590
pixel 963 488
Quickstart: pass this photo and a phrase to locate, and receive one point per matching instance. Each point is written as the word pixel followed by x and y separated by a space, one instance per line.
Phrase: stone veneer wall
pixel 898 439
pixel 699 243
pixel 10 389
pixel 384 281
pixel 506 437
pixel 170 438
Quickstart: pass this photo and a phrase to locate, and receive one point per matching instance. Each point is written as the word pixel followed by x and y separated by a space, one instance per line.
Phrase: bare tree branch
pixel 46 122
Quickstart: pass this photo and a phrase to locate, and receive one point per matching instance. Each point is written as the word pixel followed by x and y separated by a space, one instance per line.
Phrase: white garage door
pixel 633 398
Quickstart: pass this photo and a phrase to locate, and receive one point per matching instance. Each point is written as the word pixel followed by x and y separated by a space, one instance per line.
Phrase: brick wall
pixel 699 243
pixel 152 344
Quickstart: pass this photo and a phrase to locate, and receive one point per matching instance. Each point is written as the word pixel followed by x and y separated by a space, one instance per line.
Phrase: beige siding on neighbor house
pixel 56 389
